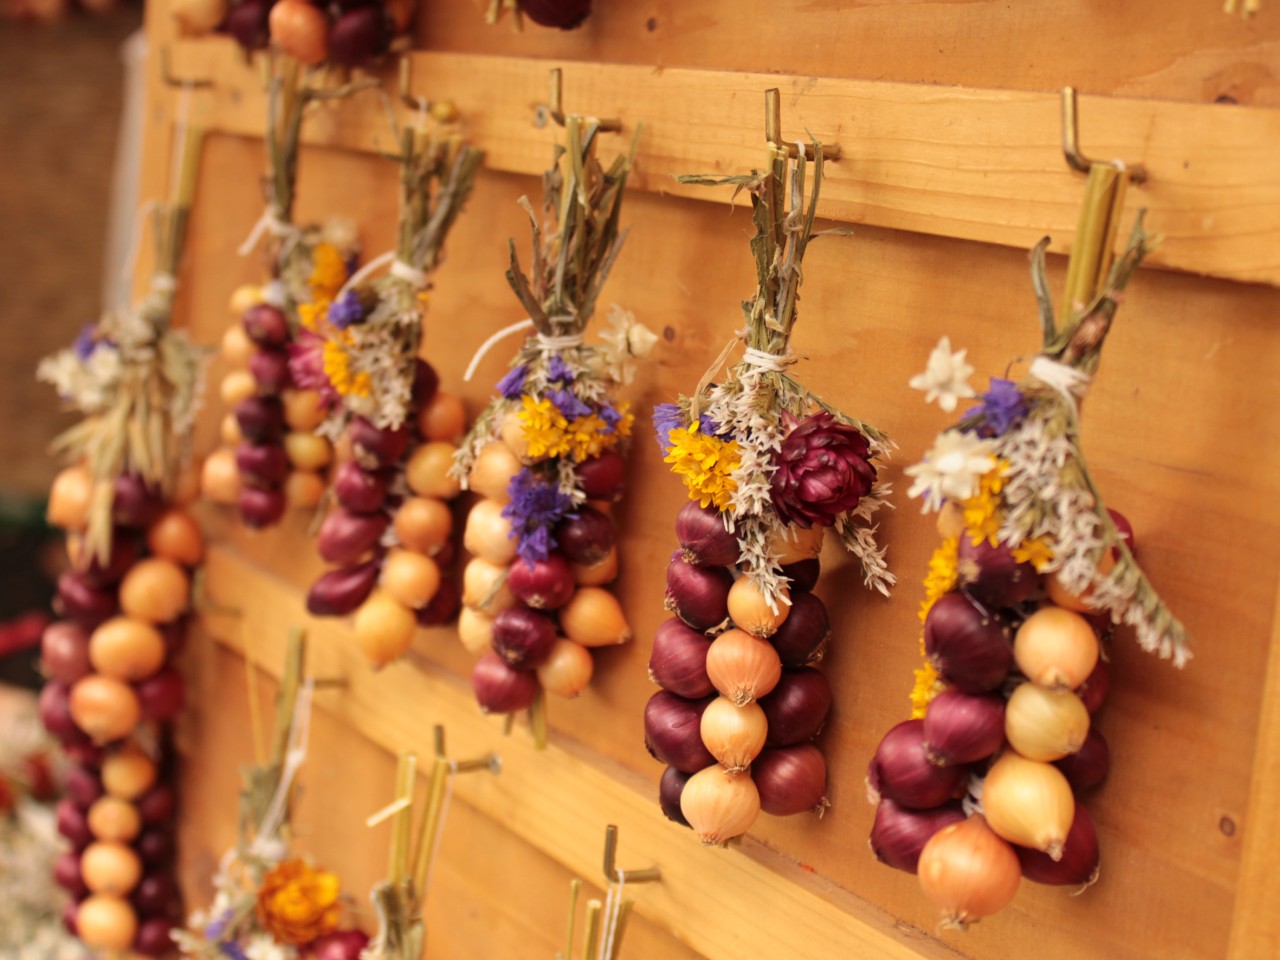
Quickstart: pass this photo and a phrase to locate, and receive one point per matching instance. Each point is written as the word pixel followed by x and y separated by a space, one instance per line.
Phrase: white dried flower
pixel 952 469
pixel 946 377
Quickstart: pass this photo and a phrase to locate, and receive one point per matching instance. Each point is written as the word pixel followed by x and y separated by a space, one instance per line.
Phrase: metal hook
pixel 773 130
pixel 555 107
pixel 490 761
pixel 166 74
pixel 611 871
pixel 1071 142
pixel 443 111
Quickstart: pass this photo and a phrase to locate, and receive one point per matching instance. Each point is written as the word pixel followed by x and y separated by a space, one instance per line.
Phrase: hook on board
pixel 611 871
pixel 166 75
pixel 490 761
pixel 1075 158
pixel 555 106
pixel 443 111
pixel 773 130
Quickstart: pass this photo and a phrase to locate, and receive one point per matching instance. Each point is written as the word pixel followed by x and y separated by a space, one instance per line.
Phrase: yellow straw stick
pixel 401 826
pixel 430 827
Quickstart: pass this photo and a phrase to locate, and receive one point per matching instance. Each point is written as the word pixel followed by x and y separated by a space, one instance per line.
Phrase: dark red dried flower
pixel 823 470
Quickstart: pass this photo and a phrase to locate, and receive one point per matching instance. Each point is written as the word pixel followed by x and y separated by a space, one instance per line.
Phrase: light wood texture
pixel 977 164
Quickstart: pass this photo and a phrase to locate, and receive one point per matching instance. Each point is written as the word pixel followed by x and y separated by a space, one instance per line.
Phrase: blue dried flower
pixel 558 371
pixel 666 417
pixel 232 951
pixel 568 404
pixel 511 385
pixel 610 415
pixel 536 506
pixel 1003 406
pixel 346 310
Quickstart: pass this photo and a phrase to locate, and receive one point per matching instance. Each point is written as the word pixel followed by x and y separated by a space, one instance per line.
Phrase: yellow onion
pixel 968 871
pixel 306 451
pixel 300 30
pixel 229 431
pixel 599 573
pixel 220 477
pixel 793 544
pixel 383 628
pixel 742 667
pixel 475 630
pixel 567 669
pixel 488 534
pixel 950 521
pixel 594 618
pixel 1029 803
pixel 303 409
pixel 110 867
pixel 484 587
pixel 106 923
pixel 734 735
pixel 128 773
pixel 175 536
pixel 236 386
pixel 113 819
pixel 198 17
pixel 303 488
pixel 186 486
pixel 512 433
pixel 492 471
pixel 427 471
pixel 410 578
pixel 1056 648
pixel 750 611
pixel 104 708
pixel 443 417
pixel 126 649
pixel 423 524
pixel 1044 724
pixel 720 805
pixel 69 498
pixel 236 346
pixel 155 590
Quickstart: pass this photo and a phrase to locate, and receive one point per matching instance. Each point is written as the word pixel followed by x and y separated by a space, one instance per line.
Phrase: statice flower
pixel 569 405
pixel 558 370
pixel 512 384
pixel 86 342
pixel 946 378
pixel 346 310
pixel 666 417
pixel 536 506
pixel 610 415
pixel 1003 407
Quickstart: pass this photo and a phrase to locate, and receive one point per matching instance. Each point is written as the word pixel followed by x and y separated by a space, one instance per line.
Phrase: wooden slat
pixel 722 903
pixel 975 164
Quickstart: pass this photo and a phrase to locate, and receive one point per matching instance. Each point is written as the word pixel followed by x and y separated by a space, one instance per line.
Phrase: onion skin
pixel 261 508
pixel 55 710
pixel 749 610
pixel 678 663
pixel 123 554
pixel 1094 690
pixel 962 727
pixel 585 538
pixel 1056 648
pixel 266 325
pixel 803 575
pixel 523 637
pixel 564 14
pixel 1079 865
pixel 991 576
pixel 968 871
pixel 544 585
pixel 345 537
pixel 603 477
pixel 1087 767
pixel 899 834
pixel 969 647
pixel 1028 803
pixel 669 789
pixel 338 593
pixel 802 639
pixel 703 538
pixel 499 688
pixel 698 595
pixel 153 937
pixel 270 369
pixel 359 490
pixel 791 780
pixel 261 419
pixel 373 447
pixel 734 735
pixel 443 607
pixel 720 805
pixel 163 696
pixel 798 706
pixel 64 651
pixel 155 895
pixel 134 504
pixel 1044 724
pixel 594 618
pixel 83 787
pixel 672 734
pixel 902 772
pixel 87 605
pixel 358 35
pixel 742 667
pixel 567 669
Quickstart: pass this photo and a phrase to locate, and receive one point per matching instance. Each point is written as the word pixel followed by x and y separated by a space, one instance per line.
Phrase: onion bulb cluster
pixel 112 687
pixel 741 699
pixel 390 533
pixel 269 459
pixel 1010 722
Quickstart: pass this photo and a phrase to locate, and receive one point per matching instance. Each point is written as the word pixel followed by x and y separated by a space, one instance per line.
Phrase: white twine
pixel 612 910
pixel 164 283
pixel 1067 380
pixel 399 269
pixel 438 842
pixel 543 342
pixel 769 362
pixel 409 274
pixel 299 734
pixel 274 294
pixel 374 264
pixel 268 223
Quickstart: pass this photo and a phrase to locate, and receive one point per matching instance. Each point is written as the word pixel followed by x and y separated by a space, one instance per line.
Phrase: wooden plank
pixel 721 903
pixel 976 164
pixel 1255 922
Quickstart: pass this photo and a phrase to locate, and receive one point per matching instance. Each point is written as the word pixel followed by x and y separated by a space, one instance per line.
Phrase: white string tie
pixel 274 294
pixel 567 341
pixel 1067 380
pixel 493 341
pixel 768 362
pixel 267 223
pixel 164 283
pixel 410 274
pixel 374 264
pixel 295 755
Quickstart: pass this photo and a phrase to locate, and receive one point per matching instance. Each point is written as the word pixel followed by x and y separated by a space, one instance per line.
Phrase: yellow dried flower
pixel 982 516
pixel 543 427
pixel 310 315
pixel 626 421
pixel 1036 552
pixel 328 272
pixel 297 903
pixel 939 580
pixel 337 367
pixel 706 465
pixel 928 685
pixel 586 437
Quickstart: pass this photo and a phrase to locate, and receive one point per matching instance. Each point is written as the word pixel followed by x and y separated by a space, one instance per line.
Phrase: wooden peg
pixel 611 871
pixel 773 130
pixel 1071 151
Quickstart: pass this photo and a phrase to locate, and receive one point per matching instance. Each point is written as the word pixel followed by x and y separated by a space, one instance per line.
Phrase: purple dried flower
pixel 558 370
pixel 610 415
pixel 666 417
pixel 232 951
pixel 346 310
pixel 86 342
pixel 569 405
pixel 1003 406
pixel 536 506
pixel 512 384
pixel 822 470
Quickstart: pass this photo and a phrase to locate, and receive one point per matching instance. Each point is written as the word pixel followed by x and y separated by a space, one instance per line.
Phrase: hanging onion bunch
pixel 546 455
pixel 1030 576
pixel 390 531
pixel 561 14
pixel 270 459
pixel 113 685
pixel 769 468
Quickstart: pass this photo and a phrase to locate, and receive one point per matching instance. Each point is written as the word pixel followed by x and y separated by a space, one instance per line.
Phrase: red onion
pixel 585 538
pixel 544 585
pixel 1125 529
pixel 174 634
pixel 344 944
pixel 87 605
pixel 134 503
pixel 152 938
pixel 345 536
pixel 155 895
pixel 359 35
pixel 523 637
pixel 603 477
pixel 426 382
pixel 802 638
pixel 55 710
pixel 64 651
pixel 82 751
pixel 69 918
pixel 358 489
pixel 698 595
pixel 565 14
pixel 1087 767
pixel 123 555
pixel 669 789
pixel 444 606
pixel 261 419
pixel 969 647
pixel 73 824
pixel 339 592
pixel 901 771
pixel 375 447
pixel 266 325
pixel 247 23
pixel 157 805
pixel 263 465
pixel 162 696
pixel 963 727
pixel 678 663
pixel 798 706
pixel 155 846
pixel 82 786
pixel 1095 687
pixel 672 731
pixel 500 688
pixel 66 874
pixel 803 575
pixel 1080 855
pixel 992 576
pixel 791 780
pixel 270 369
pixel 703 538
pixel 261 508
pixel 899 834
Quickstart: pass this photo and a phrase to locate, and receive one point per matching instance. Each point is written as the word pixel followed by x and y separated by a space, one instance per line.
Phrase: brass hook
pixel 443 111
pixel 1071 142
pixel 555 108
pixel 773 130
pixel 166 74
pixel 611 871
pixel 490 761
